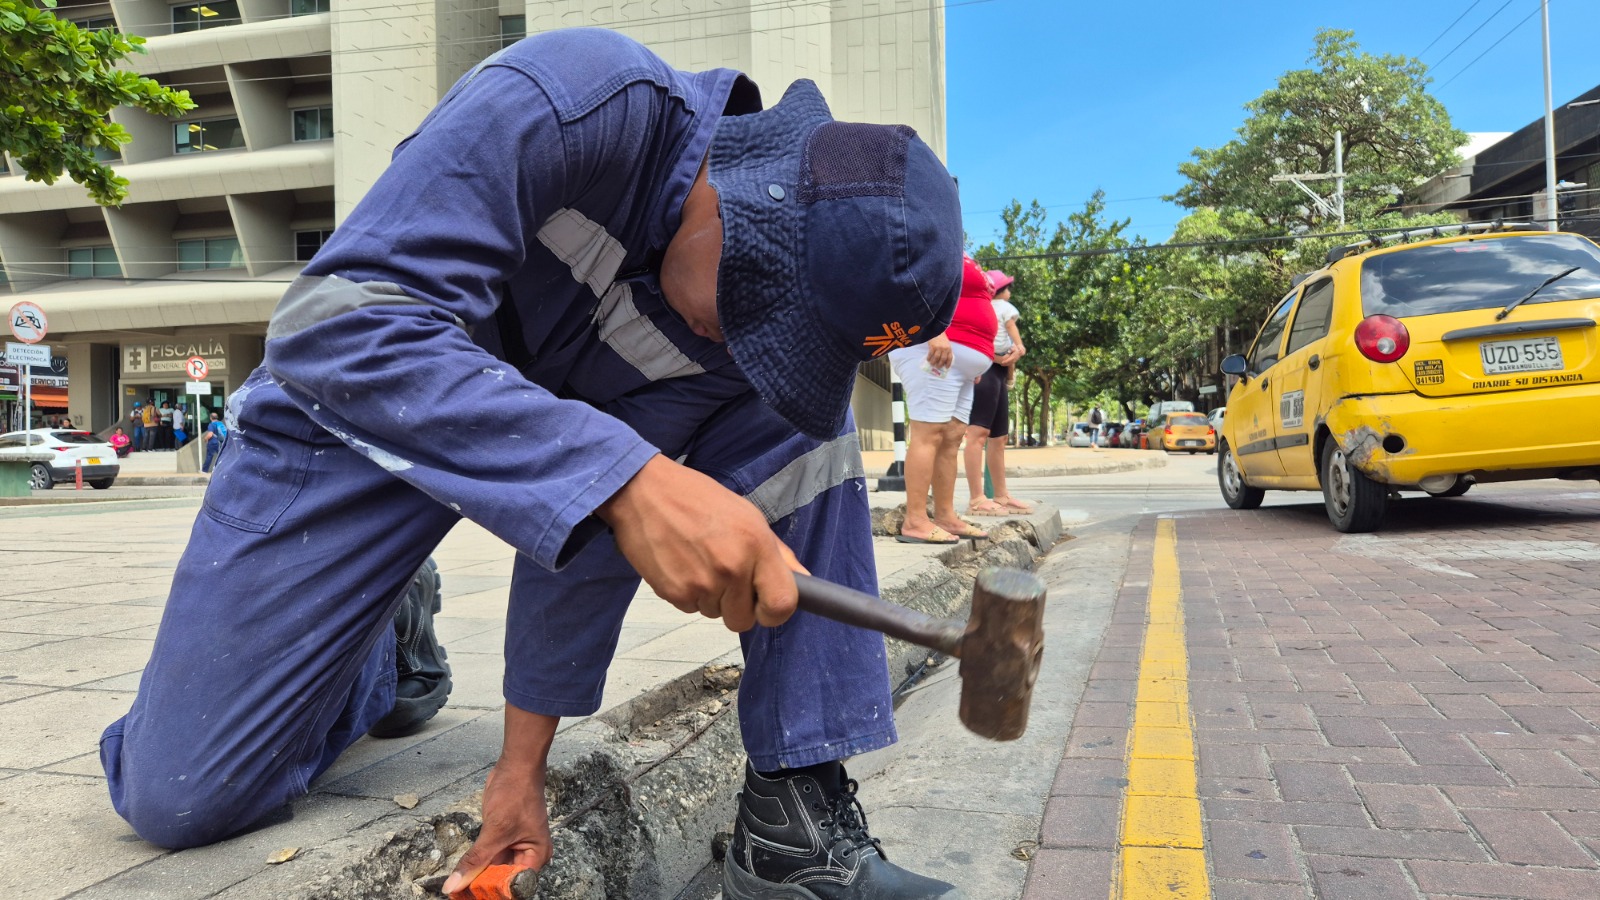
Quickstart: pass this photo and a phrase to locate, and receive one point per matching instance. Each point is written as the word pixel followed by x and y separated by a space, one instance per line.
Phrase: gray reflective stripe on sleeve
pixel 595 256
pixel 317 298
pixel 638 340
pixel 802 481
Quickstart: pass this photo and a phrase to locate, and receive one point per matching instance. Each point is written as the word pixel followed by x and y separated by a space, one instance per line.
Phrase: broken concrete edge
pixel 632 813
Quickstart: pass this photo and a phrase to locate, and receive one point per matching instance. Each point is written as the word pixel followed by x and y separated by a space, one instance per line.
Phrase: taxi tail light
pixel 1210 431
pixel 1169 429
pixel 1382 339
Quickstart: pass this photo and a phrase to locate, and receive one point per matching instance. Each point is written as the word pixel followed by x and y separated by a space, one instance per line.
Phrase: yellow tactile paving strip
pixel 1162 851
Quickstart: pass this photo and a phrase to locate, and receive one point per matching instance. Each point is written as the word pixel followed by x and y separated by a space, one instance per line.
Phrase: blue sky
pixel 1051 99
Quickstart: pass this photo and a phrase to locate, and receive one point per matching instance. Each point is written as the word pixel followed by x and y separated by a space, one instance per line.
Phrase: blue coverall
pixel 483 337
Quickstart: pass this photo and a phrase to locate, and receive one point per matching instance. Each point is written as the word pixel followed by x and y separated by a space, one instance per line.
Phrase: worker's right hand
pixel 702 547
pixel 940 353
pixel 516 826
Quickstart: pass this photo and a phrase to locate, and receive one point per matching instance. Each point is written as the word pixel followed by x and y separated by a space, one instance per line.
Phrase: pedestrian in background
pixel 119 442
pixel 151 422
pixel 180 433
pixel 216 436
pixel 136 419
pixel 991 410
pixel 164 426
pixel 940 377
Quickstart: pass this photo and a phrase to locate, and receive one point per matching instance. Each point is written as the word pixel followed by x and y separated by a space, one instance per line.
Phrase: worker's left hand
pixel 516 826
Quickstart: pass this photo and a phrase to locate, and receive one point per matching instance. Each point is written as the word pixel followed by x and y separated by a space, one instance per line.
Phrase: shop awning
pixel 49 397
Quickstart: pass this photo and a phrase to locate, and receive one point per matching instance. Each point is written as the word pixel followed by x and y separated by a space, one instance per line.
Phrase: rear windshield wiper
pixel 1529 295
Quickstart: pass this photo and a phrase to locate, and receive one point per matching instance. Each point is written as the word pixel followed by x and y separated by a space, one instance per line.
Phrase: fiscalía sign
pixel 173 357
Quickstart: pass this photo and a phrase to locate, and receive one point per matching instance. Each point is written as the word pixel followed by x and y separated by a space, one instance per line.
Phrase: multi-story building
pixel 299 103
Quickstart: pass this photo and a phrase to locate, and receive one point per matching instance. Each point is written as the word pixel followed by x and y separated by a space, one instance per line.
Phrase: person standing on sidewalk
pixel 991 411
pixel 136 419
pixel 180 431
pixel 216 435
pixel 633 265
pixel 940 378
pixel 164 427
pixel 151 421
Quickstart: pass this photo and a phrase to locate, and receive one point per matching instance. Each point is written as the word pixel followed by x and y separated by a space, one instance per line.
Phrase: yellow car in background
pixel 1188 432
pixel 1430 365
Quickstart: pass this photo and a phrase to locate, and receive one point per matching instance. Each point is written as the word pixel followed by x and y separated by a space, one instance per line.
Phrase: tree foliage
pixel 1394 133
pixel 58 83
pixel 1146 325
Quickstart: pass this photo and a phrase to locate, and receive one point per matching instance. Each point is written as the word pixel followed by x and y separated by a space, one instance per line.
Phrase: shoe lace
pixel 846 822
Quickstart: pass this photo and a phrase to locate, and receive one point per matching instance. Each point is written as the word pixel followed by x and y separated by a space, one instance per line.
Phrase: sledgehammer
pixel 1000 646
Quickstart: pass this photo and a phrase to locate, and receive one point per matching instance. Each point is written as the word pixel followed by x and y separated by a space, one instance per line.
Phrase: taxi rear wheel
pixel 1355 502
pixel 1235 492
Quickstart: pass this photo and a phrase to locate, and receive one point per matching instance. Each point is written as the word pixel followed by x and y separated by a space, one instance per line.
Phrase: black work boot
pixel 804 837
pixel 424 683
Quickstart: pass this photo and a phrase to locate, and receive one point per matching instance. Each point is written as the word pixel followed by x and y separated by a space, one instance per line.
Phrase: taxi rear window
pixel 1190 419
pixel 1479 274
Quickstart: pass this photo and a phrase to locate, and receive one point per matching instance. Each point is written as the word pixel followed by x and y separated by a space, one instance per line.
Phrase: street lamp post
pixel 1549 129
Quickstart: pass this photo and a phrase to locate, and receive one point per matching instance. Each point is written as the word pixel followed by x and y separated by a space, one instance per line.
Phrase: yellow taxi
pixel 1187 432
pixel 1432 365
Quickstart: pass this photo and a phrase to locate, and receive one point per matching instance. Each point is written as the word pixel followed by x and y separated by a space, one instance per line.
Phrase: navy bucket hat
pixel 840 242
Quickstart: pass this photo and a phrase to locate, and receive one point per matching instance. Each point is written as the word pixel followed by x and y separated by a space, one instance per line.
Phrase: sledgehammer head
pixel 1000 653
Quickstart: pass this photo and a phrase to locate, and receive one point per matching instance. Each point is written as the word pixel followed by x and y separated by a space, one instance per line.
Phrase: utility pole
pixel 1335 208
pixel 1553 213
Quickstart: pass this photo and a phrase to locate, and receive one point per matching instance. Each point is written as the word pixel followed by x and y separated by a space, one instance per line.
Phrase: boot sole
pixel 410 714
pixel 737 884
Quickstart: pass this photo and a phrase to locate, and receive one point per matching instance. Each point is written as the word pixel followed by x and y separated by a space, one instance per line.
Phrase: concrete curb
pixel 637 794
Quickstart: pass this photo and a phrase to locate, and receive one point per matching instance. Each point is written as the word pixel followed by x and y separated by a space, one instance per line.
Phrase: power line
pixel 490 40
pixel 1491 47
pixel 1448 27
pixel 1491 18
pixel 1266 239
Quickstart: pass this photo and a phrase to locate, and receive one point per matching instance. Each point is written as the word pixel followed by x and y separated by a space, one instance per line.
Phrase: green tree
pixel 1394 133
pixel 1073 289
pixel 58 82
pixel 1206 302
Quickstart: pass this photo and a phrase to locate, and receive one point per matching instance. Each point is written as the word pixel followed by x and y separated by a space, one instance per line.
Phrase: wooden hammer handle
pixel 852 607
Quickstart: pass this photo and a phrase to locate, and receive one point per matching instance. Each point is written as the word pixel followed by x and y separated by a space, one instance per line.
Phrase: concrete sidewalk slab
pixel 76 628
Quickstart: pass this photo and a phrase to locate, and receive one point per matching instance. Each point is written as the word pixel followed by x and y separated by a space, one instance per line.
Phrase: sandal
pixel 968 530
pixel 1009 502
pixel 986 507
pixel 936 536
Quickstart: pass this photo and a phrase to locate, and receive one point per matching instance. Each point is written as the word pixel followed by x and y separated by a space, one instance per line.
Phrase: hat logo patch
pixel 893 337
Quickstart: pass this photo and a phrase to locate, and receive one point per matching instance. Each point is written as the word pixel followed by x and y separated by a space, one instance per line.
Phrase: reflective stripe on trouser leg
pixel 276 649
pixel 813 689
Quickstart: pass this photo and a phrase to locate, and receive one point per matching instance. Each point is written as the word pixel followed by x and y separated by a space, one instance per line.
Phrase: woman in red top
pixel 939 377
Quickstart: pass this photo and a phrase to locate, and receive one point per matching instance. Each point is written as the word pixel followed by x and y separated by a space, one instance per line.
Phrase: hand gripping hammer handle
pixel 852 607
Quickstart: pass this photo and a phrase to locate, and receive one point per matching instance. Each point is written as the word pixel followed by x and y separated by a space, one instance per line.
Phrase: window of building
pixel 98 23
pixel 208 134
pixel 212 14
pixel 307 243
pixel 308 7
pixel 512 29
pixel 93 262
pixel 313 124
pixel 209 253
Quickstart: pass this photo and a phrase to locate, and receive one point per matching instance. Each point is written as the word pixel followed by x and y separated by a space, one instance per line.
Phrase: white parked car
pixel 67 450
pixel 1216 417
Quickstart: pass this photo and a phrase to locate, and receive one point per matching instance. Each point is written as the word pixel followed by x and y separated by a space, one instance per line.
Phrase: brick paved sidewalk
pixel 1399 715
